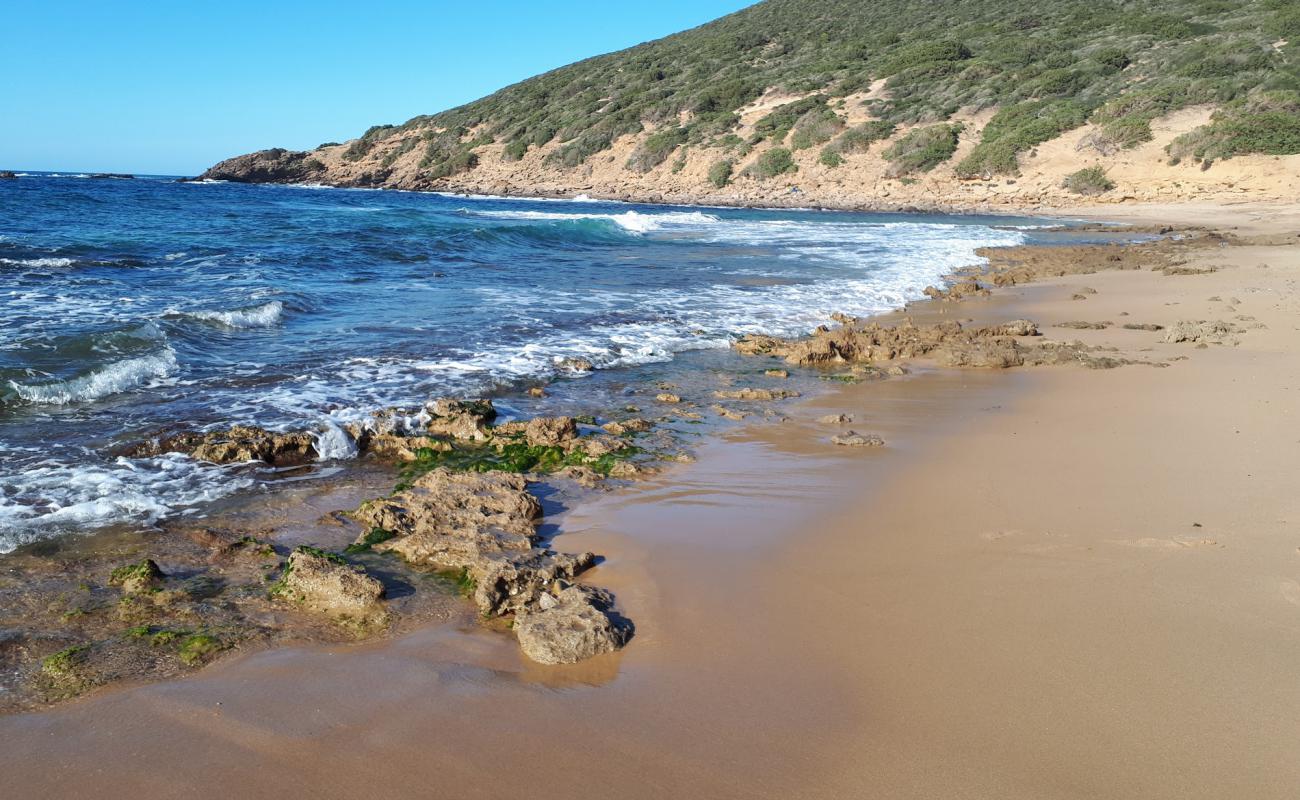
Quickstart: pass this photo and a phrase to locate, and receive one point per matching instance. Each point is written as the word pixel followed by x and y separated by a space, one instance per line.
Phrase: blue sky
pixel 172 87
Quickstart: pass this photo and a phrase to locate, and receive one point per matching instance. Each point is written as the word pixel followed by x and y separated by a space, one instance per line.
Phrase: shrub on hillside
pixel 772 163
pixel 515 150
pixel 1016 129
pixel 362 147
pixel 720 173
pixel 776 124
pixel 830 158
pixel 860 137
pixel 655 149
pixel 455 164
pixel 815 127
pixel 1268 123
pixel 922 149
pixel 1089 181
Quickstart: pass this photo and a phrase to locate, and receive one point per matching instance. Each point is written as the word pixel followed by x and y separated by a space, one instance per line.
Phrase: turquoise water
pixel 132 306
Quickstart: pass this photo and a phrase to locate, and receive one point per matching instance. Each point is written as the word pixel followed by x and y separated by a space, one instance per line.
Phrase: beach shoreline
pixel 899 628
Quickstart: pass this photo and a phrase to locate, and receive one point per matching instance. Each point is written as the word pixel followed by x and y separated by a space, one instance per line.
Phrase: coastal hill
pixel 959 103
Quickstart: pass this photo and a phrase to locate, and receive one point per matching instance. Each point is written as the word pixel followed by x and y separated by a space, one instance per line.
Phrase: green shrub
pixel 1016 129
pixel 579 150
pixel 830 158
pixel 1089 181
pixel 926 53
pixel 772 163
pixel 720 173
pixel 1111 59
pixel 815 127
pixel 1285 23
pixel 362 147
pixel 860 137
pixel 922 149
pixel 1268 123
pixel 455 164
pixel 776 124
pixel 515 150
pixel 655 149
pixel 1128 132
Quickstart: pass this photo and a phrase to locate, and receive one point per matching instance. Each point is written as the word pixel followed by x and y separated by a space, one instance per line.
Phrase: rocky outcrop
pixel 543 431
pixel 461 419
pixel 755 394
pixel 454 519
pixel 485 526
pixel 325 582
pixel 947 343
pixel 238 444
pixel 1201 331
pixel 570 625
pixel 855 439
pixel 276 165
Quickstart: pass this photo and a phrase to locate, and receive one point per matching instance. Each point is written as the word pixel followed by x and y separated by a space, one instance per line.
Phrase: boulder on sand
pixel 571 625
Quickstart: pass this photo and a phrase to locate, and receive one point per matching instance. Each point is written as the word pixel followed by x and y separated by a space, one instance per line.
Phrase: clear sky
pixel 172 87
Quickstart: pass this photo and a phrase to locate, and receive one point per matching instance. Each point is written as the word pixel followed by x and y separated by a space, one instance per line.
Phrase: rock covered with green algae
pixel 325 582
pixel 138 578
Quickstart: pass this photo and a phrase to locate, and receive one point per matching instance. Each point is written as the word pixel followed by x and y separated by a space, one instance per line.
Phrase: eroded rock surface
pixel 485 526
pixel 276 165
pixel 1197 331
pixel 569 626
pixel 238 444
pixel 324 582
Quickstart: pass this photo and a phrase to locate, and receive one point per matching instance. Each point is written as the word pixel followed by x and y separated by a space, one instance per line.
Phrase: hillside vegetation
pixel 854 73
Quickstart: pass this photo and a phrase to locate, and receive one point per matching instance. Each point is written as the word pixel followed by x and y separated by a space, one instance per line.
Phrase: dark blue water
pixel 130 305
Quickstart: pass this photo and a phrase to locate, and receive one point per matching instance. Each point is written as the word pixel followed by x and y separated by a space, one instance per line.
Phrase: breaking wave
pixel 266 315
pixel 119 376
pixel 632 221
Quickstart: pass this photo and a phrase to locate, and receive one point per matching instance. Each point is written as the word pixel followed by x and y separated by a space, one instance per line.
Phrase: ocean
pixel 130 307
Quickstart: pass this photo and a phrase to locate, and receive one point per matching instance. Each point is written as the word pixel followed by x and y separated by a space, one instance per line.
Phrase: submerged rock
pixel 755 394
pixel 569 626
pixel 325 582
pixel 633 425
pixel 855 439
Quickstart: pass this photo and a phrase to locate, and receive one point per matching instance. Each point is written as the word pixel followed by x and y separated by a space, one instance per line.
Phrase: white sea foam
pixel 332 442
pixel 264 316
pixel 633 221
pixel 39 262
pixel 111 379
pixel 80 496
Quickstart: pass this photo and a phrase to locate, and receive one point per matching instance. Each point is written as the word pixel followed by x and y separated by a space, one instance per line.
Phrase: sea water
pixel 130 307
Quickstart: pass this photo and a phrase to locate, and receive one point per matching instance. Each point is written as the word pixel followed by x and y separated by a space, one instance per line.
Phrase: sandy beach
pixel 1051 583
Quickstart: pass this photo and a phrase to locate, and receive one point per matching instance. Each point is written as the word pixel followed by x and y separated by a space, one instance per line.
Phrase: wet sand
pixel 1052 583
